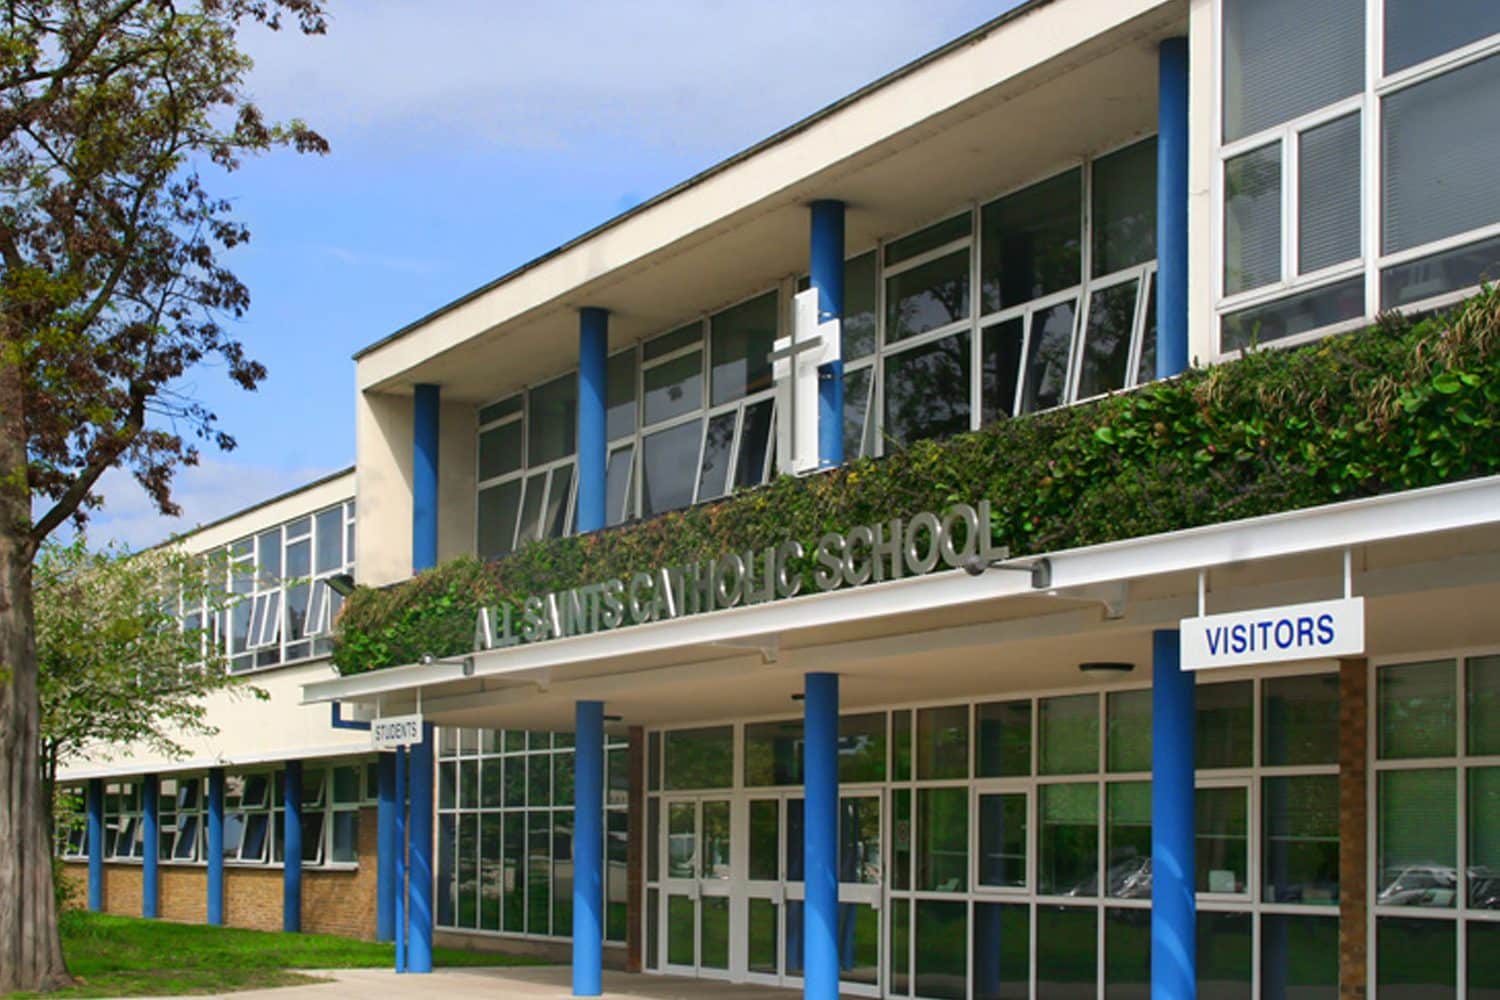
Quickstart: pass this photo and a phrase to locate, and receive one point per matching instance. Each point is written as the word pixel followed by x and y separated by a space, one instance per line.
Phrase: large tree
pixel 112 112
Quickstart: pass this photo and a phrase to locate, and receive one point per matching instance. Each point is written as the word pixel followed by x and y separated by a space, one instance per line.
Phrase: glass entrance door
pixel 775 891
pixel 698 886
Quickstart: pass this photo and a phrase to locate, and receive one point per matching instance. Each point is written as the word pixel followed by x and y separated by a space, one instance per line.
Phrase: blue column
pixel 424 477
pixel 588 849
pixel 1173 909
pixel 401 880
pixel 820 831
pixel 291 847
pixel 593 363
pixel 1172 209
pixel 151 849
pixel 95 807
pixel 826 274
pixel 215 847
pixel 419 947
pixel 386 846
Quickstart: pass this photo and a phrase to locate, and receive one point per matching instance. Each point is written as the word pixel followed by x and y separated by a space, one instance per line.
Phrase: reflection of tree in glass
pixel 927 390
pixel 1252 205
pixel 713 479
pixel 1106 343
pixel 1047 356
pixel 928 297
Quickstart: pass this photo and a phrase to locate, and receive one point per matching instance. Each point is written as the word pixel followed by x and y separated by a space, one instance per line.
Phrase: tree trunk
pixel 30 948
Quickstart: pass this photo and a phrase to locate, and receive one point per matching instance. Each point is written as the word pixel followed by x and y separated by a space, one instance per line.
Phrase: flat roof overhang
pixel 1012 104
pixel 942 635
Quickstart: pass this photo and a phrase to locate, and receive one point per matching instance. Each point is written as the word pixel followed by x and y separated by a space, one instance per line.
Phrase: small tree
pixel 111 289
pixel 126 650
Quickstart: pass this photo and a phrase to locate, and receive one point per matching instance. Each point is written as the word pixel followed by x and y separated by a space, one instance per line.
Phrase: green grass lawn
pixel 127 956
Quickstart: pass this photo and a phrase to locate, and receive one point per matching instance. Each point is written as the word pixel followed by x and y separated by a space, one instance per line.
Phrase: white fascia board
pixel 1009 51
pixel 1331 527
pixel 134 769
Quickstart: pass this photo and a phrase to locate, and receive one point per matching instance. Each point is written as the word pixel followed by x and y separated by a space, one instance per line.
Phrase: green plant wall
pixel 1394 407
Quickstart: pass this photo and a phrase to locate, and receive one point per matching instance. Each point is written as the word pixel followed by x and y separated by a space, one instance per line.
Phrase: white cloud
pixel 535 73
pixel 210 490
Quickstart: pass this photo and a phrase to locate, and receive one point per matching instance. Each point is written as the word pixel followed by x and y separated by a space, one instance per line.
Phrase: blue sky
pixel 465 144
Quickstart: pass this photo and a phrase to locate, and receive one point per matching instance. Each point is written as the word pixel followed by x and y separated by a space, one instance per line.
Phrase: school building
pixel 1254 757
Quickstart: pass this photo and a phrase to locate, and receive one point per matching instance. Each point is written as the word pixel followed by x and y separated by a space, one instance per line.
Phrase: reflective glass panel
pixel 862 748
pixel 669 343
pixel 1223 838
pixel 900 946
pixel 740 341
pixel 927 296
pixel 669 461
pixel 942 937
pixel 619 395
pixel 943 844
pixel 1284 58
pixel 1328 201
pixel 859 839
pixel 1483 704
pixel 1002 839
pixel 1418 838
pixel 715 855
pixel 1127 954
pixel 1252 219
pixel 1301 720
pixel 1124 208
pixel 1294 314
pixel 1106 340
pixel 761 936
pixel 859 429
pixel 500 450
pixel 700 758
pixel 617 485
pixel 1417 30
pixel 773 753
pixel 1068 844
pixel 1129 730
pixel 1067 960
pixel 1129 845
pixel 1437 273
pixel 859 307
pixel 559 495
pixel 1484 960
pixel 713 472
pixel 765 842
pixel 681 930
pixel 750 466
pixel 1049 349
pixel 673 388
pixel 1301 847
pixel 927 390
pixel 552 424
pixel 1146 370
pixel 1032 242
pixel 934 236
pixel 943 742
pixel 1418 709
pixel 1299 957
pixel 1001 346
pixel 1225 732
pixel 1069 734
pixel 1416 958
pixel 1002 952
pixel 1003 740
pixel 1484 838
pixel 1224 955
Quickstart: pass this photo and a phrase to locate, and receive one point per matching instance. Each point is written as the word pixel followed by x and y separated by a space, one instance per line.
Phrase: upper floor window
pixel 1357 143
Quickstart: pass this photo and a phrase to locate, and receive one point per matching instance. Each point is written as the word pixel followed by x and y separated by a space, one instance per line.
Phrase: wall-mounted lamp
pixel 1106 667
pixel 1040 569
pixel 467 662
pixel 614 718
pixel 341 584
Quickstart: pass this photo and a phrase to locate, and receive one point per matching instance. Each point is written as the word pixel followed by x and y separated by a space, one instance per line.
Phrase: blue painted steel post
pixel 426 400
pixel 419 947
pixel 291 847
pixel 820 831
pixel 386 846
pixel 1173 908
pixel 826 274
pixel 151 849
pixel 1172 209
pixel 95 806
pixel 593 364
pixel 215 847
pixel 588 849
pixel 402 885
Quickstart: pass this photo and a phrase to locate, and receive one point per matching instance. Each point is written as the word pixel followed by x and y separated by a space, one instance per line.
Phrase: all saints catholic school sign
pixel 869 553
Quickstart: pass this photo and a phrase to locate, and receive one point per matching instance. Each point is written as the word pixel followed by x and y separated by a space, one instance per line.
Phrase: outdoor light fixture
pixel 467 662
pixel 799 696
pixel 341 584
pixel 1106 667
pixel 1040 569
pixel 614 718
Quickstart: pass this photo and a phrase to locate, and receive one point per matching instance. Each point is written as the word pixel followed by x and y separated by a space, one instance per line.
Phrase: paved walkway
pixel 543 982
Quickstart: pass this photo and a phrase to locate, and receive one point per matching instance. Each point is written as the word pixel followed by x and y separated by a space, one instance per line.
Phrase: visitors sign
pixel 1274 635
pixel 396 731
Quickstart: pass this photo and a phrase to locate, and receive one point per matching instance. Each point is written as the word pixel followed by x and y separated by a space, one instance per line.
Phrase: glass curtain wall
pixel 1356 143
pixel 1013 843
pixel 1437 828
pixel 505 832
pixel 1042 297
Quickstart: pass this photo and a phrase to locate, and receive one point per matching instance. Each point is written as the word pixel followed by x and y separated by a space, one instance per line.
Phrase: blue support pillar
pixel 588 849
pixel 215 847
pixel 95 806
pixel 426 400
pixel 419 947
pixel 1173 908
pixel 291 849
pixel 820 831
pixel 593 363
pixel 401 880
pixel 1172 209
pixel 151 849
pixel 386 847
pixel 826 274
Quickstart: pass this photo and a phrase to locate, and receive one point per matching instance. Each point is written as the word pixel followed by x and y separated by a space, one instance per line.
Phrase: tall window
pixel 1353 178
pixel 1437 826
pixel 505 832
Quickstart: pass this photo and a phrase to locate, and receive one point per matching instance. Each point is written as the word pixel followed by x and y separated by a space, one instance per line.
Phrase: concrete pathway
pixel 551 982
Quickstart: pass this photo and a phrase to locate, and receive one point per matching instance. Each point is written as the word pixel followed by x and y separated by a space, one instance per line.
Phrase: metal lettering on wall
pixel 870 553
